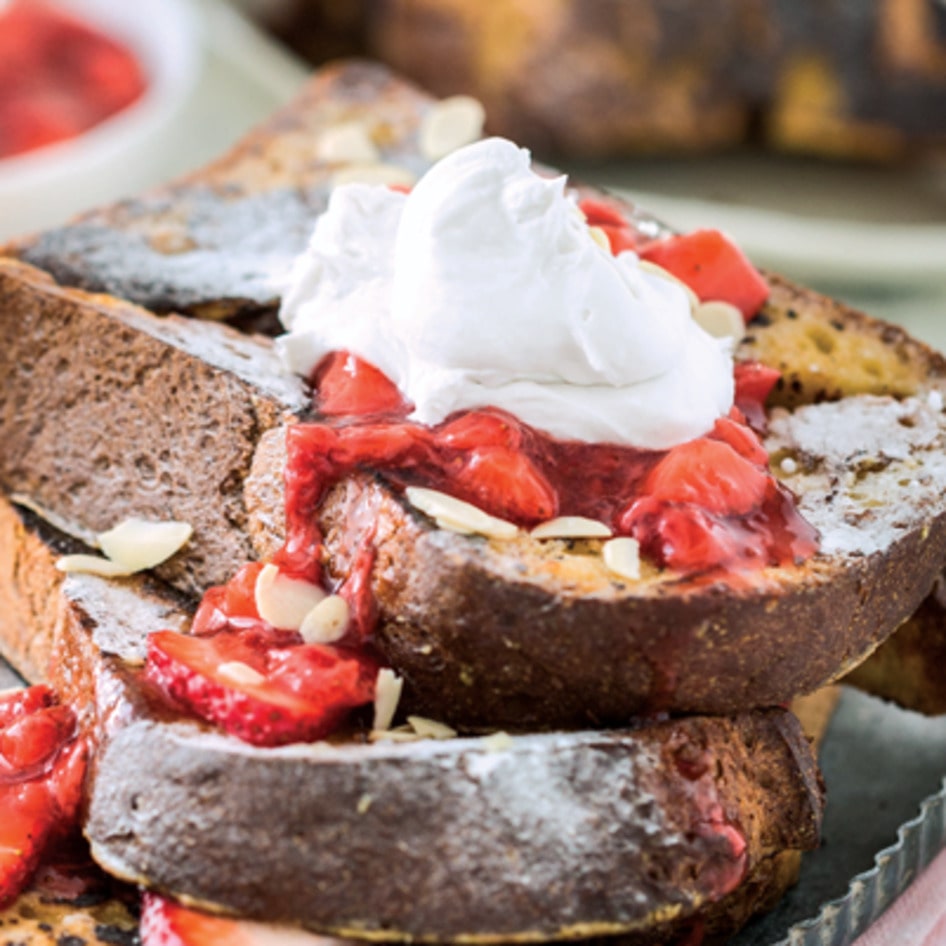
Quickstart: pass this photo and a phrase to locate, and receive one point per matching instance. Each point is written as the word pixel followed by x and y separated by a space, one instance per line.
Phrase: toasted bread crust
pixel 414 839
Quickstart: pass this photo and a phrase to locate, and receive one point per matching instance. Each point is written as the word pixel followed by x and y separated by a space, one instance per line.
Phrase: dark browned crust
pixel 208 243
pixel 484 638
pixel 907 669
pixel 108 411
pixel 436 840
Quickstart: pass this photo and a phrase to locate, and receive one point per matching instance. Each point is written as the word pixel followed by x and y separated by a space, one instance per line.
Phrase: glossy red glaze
pixel 42 769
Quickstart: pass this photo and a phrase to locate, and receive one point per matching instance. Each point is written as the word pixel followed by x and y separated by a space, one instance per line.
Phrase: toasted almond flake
pixel 384 174
pixel 326 622
pixel 140 544
pixel 450 124
pixel 285 602
pixel 497 742
pixel 720 319
pixel 240 673
pixel 347 143
pixel 430 728
pixel 92 565
pixel 601 238
pixel 387 695
pixel 648 267
pixel 622 556
pixel 571 527
pixel 458 515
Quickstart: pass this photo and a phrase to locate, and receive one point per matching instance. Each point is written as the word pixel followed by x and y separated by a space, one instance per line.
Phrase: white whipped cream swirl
pixel 484 287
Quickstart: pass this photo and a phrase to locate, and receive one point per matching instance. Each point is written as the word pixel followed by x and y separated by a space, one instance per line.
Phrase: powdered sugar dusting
pixel 866 470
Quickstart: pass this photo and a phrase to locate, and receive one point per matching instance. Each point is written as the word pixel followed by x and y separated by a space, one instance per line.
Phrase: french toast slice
pixel 505 838
pixel 457 613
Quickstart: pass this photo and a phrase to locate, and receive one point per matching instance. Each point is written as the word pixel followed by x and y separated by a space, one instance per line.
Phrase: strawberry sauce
pixel 706 505
pixel 58 77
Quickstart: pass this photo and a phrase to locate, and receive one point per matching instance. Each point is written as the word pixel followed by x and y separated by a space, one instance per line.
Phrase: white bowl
pixel 122 154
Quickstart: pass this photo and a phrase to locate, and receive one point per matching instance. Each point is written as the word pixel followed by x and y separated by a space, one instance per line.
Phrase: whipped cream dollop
pixel 484 287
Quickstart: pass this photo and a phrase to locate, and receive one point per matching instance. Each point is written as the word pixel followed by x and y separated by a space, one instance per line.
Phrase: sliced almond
pixel 450 124
pixel 285 602
pixel 326 622
pixel 240 673
pixel 601 238
pixel 347 143
pixel 92 565
pixel 140 544
pixel 720 319
pixel 387 694
pixel 430 728
pixel 497 742
pixel 571 527
pixel 383 174
pixel 648 267
pixel 622 556
pixel 457 515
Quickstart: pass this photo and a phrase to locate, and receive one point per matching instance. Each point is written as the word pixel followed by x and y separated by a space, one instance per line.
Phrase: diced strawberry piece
pixel 742 439
pixel 338 678
pixel 754 383
pixel 507 483
pixel 166 923
pixel 621 235
pixel 267 712
pixel 230 606
pixel 19 703
pixel 709 474
pixel 713 267
pixel 42 770
pixel 346 385
pixel 28 817
pixel 684 536
pixel 33 739
pixel 475 429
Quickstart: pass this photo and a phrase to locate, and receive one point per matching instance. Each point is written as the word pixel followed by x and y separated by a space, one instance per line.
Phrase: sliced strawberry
pixel 35 738
pixel 754 383
pixel 346 385
pixel 709 474
pixel 166 923
pixel 741 438
pixel 15 704
pixel 42 771
pixel 230 606
pixel 713 267
pixel 505 482
pixel 684 537
pixel 621 235
pixel 474 429
pixel 266 712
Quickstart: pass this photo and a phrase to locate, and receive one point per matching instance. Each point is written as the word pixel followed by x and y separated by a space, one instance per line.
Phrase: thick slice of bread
pixel 95 431
pixel 907 669
pixel 490 839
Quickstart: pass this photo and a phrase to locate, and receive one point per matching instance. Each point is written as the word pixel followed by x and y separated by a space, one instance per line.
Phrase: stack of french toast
pixel 545 745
